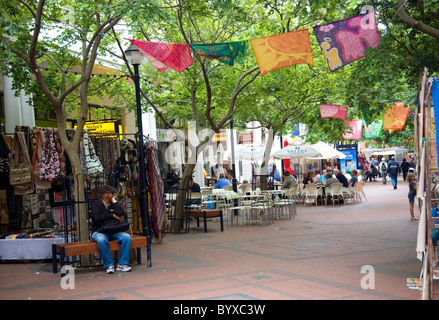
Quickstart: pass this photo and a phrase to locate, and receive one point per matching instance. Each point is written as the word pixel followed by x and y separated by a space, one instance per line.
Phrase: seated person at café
pixel 330 179
pixel 289 181
pixel 347 174
pixel 308 179
pixel 354 179
pixel 194 188
pixel 274 174
pixel 245 186
pixel 341 178
pixel 322 178
pixel 316 176
pixel 222 182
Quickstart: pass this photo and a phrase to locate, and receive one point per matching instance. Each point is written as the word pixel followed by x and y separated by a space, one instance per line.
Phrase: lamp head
pixel 134 56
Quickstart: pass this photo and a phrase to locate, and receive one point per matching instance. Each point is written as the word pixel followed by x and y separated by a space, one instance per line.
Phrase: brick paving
pixel 318 255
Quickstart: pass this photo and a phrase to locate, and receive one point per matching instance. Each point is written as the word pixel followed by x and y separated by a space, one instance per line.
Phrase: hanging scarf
pixel 345 41
pixel 355 132
pixel 282 50
pixel 158 217
pixel 165 55
pixel 225 52
pixel 395 117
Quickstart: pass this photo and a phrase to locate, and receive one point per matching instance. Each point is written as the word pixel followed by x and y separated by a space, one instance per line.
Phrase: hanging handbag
pixel 40 184
pixel 20 166
pixel 49 162
pixel 4 156
pixel 114 226
pixel 93 163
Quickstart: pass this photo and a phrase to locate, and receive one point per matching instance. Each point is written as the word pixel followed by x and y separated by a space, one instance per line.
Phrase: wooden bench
pixel 205 213
pixel 89 247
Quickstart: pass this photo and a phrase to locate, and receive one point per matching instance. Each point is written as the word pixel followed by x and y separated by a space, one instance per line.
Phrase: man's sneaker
pixel 123 268
pixel 110 269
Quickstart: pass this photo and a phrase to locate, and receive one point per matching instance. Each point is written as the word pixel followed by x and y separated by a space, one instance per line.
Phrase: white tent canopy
pixel 327 151
pixel 297 150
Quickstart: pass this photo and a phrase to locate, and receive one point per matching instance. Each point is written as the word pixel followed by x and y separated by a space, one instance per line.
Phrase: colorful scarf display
pixel 356 126
pixel 394 118
pixel 165 55
pixel 345 41
pixel 435 97
pixel 282 50
pixel 225 52
pixel 333 111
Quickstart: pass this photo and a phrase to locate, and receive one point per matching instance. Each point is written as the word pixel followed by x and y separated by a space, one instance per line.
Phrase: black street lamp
pixel 135 58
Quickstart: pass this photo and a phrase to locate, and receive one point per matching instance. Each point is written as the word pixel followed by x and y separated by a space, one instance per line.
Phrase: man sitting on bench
pixel 103 209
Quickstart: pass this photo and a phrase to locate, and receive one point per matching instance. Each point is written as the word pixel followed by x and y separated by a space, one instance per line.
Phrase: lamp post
pixel 135 58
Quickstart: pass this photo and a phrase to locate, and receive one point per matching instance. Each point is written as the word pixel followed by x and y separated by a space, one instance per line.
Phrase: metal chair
pixel 262 211
pixel 286 204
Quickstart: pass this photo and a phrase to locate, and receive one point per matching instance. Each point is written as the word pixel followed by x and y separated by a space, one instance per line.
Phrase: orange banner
pixel 394 118
pixel 282 50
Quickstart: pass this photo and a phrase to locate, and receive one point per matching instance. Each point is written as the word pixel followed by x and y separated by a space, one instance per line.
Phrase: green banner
pixel 373 130
pixel 225 52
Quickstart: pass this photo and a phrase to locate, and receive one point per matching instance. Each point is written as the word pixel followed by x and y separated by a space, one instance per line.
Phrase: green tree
pixel 26 38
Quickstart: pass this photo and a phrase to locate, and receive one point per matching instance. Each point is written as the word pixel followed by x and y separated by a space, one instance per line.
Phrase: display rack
pixel 426 153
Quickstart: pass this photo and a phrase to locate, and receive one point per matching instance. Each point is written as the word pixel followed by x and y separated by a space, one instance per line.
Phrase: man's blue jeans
pixel 394 178
pixel 124 240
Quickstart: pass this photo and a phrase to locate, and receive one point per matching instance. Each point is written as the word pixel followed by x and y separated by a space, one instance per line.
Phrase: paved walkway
pixel 317 255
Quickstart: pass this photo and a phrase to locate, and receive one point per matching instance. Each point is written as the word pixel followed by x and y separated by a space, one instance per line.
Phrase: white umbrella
pixel 327 151
pixel 297 150
pixel 250 152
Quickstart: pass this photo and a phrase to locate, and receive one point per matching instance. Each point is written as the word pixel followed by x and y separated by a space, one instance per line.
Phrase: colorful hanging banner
pixel 394 118
pixel 225 52
pixel 165 55
pixel 373 130
pixel 435 97
pixel 333 111
pixel 345 41
pixel 355 132
pixel 282 50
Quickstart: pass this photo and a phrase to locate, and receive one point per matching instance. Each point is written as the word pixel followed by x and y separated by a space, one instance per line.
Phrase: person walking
pixel 404 168
pixel 412 193
pixel 383 170
pixel 393 169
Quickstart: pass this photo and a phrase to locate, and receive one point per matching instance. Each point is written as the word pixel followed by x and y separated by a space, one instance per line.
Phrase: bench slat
pixel 88 247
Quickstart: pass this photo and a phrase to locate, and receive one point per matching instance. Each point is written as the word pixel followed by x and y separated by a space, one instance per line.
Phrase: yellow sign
pixel 100 127
pixel 219 137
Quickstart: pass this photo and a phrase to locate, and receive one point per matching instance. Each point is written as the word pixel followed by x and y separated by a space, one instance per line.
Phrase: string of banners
pixel 341 42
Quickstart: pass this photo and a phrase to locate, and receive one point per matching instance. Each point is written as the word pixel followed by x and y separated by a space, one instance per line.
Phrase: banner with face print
pixel 355 132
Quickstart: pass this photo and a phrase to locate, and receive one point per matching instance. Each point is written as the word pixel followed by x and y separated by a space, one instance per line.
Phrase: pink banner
pixel 356 126
pixel 333 111
pixel 165 55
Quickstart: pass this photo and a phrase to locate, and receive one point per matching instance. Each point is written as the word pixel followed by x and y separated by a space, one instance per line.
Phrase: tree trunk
pixel 175 226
